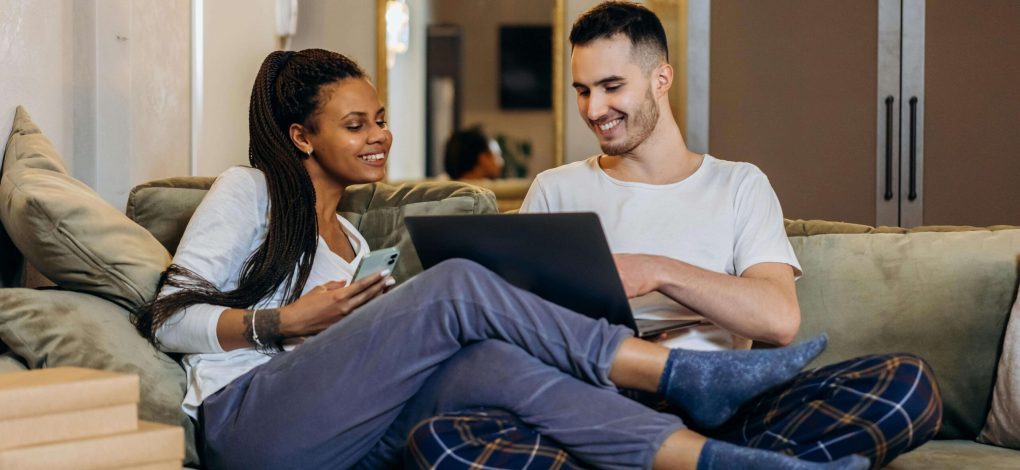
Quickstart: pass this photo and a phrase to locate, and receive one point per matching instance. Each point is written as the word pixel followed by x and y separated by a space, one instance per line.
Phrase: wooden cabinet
pixel 888 112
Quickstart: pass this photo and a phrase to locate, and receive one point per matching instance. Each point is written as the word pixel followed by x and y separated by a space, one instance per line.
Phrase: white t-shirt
pixel 227 227
pixel 724 218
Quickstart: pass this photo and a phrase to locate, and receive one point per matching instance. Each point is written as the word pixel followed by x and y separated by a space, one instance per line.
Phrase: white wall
pixel 237 35
pixel 132 93
pixel 106 80
pixel 109 81
pixel 347 27
pixel 406 111
pixel 37 71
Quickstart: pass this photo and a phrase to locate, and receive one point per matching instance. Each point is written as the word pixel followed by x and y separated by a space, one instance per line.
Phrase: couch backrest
pixel 165 206
pixel 943 293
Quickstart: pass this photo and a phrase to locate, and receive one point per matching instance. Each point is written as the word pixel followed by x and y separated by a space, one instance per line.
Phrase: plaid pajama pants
pixel 878 406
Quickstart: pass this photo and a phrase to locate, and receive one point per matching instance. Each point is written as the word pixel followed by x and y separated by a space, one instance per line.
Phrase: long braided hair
pixel 287 90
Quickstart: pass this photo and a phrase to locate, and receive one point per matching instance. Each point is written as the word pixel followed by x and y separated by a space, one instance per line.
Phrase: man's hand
pixel 638 273
pixel 760 304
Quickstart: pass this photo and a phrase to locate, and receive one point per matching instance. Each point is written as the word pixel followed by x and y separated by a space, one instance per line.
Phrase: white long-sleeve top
pixel 227 227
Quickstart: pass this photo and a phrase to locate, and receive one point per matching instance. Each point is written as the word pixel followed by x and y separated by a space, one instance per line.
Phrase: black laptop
pixel 561 257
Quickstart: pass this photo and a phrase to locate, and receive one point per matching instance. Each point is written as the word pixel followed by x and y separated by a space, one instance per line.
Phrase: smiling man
pixel 696 234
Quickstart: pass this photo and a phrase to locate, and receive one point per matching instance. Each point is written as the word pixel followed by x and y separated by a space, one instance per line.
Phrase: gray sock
pixel 719 455
pixel 710 386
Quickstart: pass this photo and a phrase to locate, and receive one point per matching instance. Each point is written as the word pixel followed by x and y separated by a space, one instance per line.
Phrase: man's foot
pixel 710 386
pixel 719 455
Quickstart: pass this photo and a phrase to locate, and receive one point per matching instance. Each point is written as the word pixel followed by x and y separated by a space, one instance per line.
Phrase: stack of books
pixel 75 418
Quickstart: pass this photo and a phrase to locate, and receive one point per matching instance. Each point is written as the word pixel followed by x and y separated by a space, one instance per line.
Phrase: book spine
pixel 61 397
pixel 23 432
pixel 151 443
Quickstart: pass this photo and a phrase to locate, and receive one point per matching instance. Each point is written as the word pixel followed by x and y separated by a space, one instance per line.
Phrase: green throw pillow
pixel 52 328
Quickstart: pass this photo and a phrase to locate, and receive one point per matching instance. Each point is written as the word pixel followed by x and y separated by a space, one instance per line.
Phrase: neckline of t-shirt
pixel 353 236
pixel 634 184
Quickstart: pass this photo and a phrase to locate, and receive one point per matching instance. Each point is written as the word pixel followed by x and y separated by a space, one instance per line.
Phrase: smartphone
pixel 377 261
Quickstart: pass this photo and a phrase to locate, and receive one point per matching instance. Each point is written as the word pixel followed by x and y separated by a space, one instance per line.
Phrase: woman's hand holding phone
pixel 329 303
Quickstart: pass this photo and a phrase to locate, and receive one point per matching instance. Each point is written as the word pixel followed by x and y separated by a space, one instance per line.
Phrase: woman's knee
pixel 457 271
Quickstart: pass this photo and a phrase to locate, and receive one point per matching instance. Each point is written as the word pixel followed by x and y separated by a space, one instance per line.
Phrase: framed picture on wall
pixel 525 67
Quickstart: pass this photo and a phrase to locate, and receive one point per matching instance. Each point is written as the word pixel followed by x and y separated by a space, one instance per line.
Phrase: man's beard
pixel 639 126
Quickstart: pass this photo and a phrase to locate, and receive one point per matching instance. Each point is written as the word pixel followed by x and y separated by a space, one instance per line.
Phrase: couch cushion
pixel 377 210
pixel 1003 425
pixel 955 455
pixel 52 328
pixel 943 296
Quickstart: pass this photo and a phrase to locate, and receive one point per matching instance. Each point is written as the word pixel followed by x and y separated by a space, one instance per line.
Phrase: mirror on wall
pixel 459 83
pixel 488 65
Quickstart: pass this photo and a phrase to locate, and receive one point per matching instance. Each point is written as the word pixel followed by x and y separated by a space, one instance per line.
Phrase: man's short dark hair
pixel 607 19
pixel 463 150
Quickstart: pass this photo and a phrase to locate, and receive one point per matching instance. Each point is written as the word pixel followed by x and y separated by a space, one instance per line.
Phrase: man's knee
pixel 445 440
pixel 481 437
pixel 920 398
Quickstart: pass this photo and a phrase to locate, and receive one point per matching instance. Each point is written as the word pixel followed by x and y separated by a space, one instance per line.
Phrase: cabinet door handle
pixel 913 149
pixel 888 147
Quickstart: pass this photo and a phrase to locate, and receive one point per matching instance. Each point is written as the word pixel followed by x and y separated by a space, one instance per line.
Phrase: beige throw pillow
pixel 1003 425
pixel 66 231
pixel 27 147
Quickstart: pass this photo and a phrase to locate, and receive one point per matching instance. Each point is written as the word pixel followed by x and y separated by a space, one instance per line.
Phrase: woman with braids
pixel 266 262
